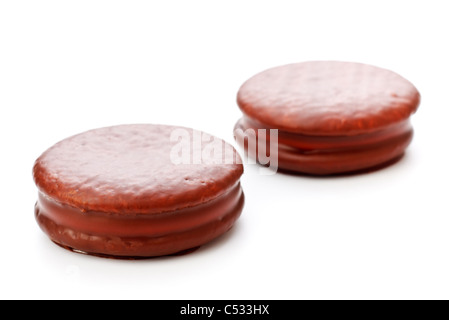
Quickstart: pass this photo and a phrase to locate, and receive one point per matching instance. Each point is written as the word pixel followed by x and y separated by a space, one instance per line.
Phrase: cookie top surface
pixel 328 98
pixel 137 169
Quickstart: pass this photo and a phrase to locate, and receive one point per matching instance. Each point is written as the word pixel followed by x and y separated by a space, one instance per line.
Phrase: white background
pixel 71 66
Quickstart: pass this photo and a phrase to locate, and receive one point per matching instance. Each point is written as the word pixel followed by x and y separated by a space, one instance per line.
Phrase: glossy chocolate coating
pixel 329 98
pixel 321 155
pixel 127 169
pixel 139 235
pixel 333 117
pixel 114 191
